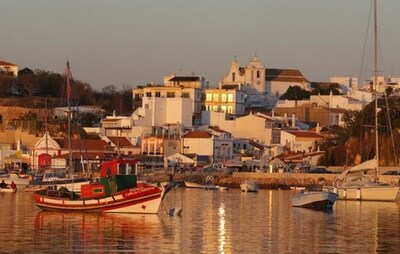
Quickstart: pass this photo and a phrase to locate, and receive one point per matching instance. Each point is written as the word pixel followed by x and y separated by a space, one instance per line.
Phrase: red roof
pixel 120 141
pixel 305 134
pixel 111 120
pixel 82 144
pixel 284 75
pixel 7 63
pixel 198 134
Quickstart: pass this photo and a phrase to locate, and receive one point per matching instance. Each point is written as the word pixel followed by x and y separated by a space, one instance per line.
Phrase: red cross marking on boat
pixel 143 207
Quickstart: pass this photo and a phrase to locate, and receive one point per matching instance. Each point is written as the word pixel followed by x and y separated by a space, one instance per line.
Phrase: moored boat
pixel 249 186
pixel 117 191
pixel 315 197
pixel 10 190
pixel 56 179
pixel 353 185
pixel 16 178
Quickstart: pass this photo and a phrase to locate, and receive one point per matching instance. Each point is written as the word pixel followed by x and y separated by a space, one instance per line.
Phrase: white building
pixel 7 68
pixel 231 101
pixel 159 111
pixel 300 140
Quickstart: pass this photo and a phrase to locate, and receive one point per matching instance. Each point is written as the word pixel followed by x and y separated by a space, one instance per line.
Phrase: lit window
pixel 208 97
pixel 230 97
pixel 215 97
pixel 223 97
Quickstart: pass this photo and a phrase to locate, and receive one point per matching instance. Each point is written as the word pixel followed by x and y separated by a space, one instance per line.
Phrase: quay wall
pixel 264 180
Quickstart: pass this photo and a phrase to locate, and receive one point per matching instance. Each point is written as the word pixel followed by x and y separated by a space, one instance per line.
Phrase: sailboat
pixel 363 187
pixel 117 191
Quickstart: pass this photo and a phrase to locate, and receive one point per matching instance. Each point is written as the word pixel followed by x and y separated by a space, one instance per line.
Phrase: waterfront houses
pixel 186 120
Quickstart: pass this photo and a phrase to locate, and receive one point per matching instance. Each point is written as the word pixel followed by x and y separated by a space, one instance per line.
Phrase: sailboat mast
pixel 376 87
pixel 68 75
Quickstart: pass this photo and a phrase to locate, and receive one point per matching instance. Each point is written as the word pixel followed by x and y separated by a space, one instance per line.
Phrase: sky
pixel 135 42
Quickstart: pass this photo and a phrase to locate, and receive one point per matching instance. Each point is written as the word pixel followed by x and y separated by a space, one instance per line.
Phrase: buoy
pixel 175 211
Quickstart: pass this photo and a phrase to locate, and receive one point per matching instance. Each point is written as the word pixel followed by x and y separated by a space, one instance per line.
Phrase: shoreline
pixel 264 180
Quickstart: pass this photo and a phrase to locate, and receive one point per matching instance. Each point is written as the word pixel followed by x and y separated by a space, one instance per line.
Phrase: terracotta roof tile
pixel 120 141
pixel 198 134
pixel 88 144
pixel 284 75
pixel 7 63
pixel 305 134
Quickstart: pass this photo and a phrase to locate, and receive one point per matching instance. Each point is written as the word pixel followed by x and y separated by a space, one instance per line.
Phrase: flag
pixel 67 76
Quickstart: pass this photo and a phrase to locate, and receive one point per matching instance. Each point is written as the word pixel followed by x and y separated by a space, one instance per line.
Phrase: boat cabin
pixel 115 175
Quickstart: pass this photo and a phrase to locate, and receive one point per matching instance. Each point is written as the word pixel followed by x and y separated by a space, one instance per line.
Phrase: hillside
pixel 31 102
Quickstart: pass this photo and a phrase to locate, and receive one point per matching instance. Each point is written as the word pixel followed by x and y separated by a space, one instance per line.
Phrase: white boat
pixel 353 185
pixel 56 179
pixel 194 185
pixel 16 178
pixel 249 186
pixel 315 197
pixel 8 190
pixel 360 187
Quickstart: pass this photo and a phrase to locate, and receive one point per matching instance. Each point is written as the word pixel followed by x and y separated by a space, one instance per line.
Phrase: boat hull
pixel 368 193
pixel 315 199
pixel 249 186
pixel 143 200
pixel 19 181
pixel 8 190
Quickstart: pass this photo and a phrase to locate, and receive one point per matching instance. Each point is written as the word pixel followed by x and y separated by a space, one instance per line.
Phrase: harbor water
pixel 212 221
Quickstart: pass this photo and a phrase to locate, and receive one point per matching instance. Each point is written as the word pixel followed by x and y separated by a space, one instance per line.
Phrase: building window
pixel 215 108
pixel 148 94
pixel 230 97
pixel 258 74
pixel 230 109
pixel 233 77
pixel 170 94
pixel 208 97
pixel 185 95
pixel 158 94
pixel 223 97
pixel 215 97
pixel 223 108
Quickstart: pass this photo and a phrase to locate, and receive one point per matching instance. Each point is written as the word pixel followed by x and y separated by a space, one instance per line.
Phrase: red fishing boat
pixel 117 191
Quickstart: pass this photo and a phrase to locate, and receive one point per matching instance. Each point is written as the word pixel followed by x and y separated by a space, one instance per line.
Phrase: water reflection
pixel 212 222
pixel 99 233
pixel 376 224
pixel 221 232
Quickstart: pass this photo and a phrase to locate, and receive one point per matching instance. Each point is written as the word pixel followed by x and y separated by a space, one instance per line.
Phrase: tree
pixel 295 93
pixel 27 79
pixel 334 88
